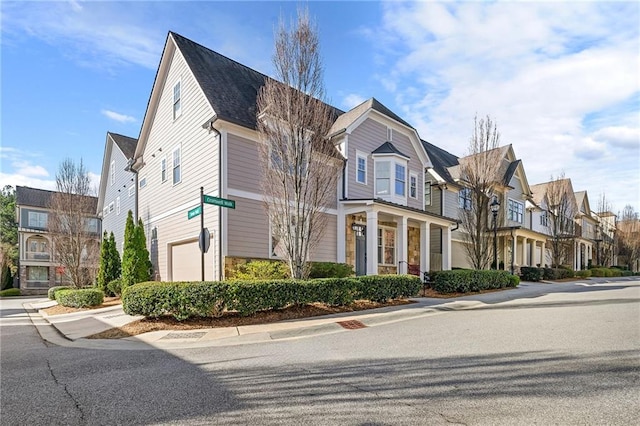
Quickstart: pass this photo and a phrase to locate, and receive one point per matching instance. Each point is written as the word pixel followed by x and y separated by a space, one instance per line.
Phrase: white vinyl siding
pixel 112 173
pixel 118 205
pixel 132 190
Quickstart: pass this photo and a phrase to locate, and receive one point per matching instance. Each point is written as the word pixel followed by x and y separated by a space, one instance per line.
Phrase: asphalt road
pixel 568 357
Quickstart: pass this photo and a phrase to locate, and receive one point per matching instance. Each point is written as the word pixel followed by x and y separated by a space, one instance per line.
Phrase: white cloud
pixel 22 180
pixel 542 70
pixel 121 118
pixel 352 100
pixel 25 168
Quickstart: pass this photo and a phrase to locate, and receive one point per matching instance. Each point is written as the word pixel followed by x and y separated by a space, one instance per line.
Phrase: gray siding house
pixel 118 192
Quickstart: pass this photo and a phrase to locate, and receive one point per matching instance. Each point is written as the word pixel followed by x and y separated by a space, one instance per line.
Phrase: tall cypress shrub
pixel 143 265
pixel 103 268
pixel 116 266
pixel 129 253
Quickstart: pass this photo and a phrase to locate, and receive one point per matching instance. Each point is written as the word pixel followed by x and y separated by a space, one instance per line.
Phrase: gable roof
pixel 349 117
pixel 35 197
pixel 441 160
pixel 126 144
pixel 388 148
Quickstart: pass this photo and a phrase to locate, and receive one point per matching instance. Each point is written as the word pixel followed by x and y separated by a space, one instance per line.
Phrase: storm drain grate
pixel 351 325
pixel 196 335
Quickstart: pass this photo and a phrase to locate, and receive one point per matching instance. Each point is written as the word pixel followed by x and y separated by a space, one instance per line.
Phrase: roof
pixel 126 144
pixel 388 148
pixel 34 197
pixel 441 160
pixel 403 207
pixel 345 119
pixel 230 87
pixel 511 170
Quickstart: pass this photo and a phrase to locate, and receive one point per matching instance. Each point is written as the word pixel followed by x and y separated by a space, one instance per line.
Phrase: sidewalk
pixel 71 330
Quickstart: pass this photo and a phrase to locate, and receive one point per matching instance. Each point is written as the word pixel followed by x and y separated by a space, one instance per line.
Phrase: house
pixel 587 242
pixel 199 131
pixel 38 268
pixel 519 241
pixel 606 250
pixel 117 192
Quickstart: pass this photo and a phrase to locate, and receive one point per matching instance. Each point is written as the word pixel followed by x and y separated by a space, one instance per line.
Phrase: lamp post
pixel 495 206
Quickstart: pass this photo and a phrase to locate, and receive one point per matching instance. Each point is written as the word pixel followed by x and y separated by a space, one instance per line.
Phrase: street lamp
pixel 495 206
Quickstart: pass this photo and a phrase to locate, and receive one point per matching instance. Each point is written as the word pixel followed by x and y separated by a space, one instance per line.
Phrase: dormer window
pixel 390 165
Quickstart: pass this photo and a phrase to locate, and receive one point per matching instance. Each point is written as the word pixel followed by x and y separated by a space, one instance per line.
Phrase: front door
pixel 361 251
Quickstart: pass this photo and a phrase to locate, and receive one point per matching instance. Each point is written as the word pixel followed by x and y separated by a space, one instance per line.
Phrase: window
pixel 516 211
pixel 143 182
pixel 112 172
pixel 401 180
pixel 464 198
pixel 132 190
pixel 389 134
pixel 544 218
pixel 111 207
pixel 177 108
pixel 427 193
pixel 361 173
pixel 163 169
pixel 105 211
pixel 386 246
pixel 38 245
pixel 176 165
pixel 413 186
pixel 37 273
pixel 382 177
pixel 92 225
pixel 118 205
pixel 38 219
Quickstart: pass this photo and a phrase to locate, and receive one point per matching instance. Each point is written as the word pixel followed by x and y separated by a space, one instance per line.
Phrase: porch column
pixel 446 248
pixel 372 242
pixel 524 252
pixel 403 241
pixel 576 256
pixel 513 260
pixel 543 254
pixel 425 246
pixel 341 253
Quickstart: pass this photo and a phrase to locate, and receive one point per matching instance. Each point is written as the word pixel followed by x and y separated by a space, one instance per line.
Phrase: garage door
pixel 185 262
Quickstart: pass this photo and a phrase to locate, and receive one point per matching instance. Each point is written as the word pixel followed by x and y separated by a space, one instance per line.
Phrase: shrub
pixel 261 270
pixel 531 274
pixel 51 293
pixel 80 298
pixel 597 272
pixel 9 292
pixel 463 281
pixel 330 270
pixel 380 288
pixel 586 273
pixel 115 286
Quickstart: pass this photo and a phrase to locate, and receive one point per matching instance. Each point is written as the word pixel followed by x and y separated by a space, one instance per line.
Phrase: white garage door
pixel 185 262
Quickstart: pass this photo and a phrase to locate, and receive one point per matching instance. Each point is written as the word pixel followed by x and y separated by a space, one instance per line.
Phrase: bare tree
pixel 300 165
pixel 606 232
pixel 479 172
pixel 629 237
pixel 562 209
pixel 73 227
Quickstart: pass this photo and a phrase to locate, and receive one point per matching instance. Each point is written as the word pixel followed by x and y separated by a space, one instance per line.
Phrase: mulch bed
pixel 59 309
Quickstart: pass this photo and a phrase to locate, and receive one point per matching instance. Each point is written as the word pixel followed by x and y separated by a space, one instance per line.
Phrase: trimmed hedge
pixel 529 273
pixel 184 300
pixel 464 281
pixel 607 272
pixel 9 292
pixel 80 298
pixel 51 293
pixel 557 273
pixel 585 273
pixel 115 286
pixel 330 270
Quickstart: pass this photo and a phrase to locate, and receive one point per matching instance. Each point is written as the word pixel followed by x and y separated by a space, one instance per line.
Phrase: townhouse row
pixel 396 208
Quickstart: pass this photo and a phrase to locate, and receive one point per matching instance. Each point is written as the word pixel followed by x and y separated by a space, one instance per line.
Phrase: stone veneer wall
pixel 413 254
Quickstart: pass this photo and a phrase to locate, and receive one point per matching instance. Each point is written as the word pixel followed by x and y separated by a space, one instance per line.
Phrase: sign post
pixel 202 250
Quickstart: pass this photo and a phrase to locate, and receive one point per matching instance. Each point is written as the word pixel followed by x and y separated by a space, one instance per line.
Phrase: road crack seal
pixel 66 390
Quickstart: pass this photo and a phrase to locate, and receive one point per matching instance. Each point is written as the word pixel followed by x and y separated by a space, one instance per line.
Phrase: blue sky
pixel 562 80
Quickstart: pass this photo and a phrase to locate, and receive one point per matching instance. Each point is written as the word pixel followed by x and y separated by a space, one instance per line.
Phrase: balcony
pixel 38 256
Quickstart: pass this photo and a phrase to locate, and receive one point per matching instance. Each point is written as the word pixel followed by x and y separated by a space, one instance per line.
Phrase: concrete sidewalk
pixel 71 330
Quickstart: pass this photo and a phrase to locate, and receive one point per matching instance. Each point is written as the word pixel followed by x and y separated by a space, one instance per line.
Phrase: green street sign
pixel 223 202
pixel 194 212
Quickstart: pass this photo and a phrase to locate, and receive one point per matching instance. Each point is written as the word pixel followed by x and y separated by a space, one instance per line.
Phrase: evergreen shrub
pixel 9 292
pixel 80 298
pixel 464 281
pixel 529 273
pixel 51 293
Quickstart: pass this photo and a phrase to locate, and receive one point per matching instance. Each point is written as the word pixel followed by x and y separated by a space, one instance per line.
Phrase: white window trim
pixel 427 202
pixel 105 211
pixel 143 182
pixel 470 197
pixel 132 190
pixel 112 170
pixel 177 114
pixel 393 159
pixel 117 205
pixel 163 169
pixel 360 154
pixel 413 175
pixel 111 207
pixel 177 148
pixel 395 245
pixel 509 216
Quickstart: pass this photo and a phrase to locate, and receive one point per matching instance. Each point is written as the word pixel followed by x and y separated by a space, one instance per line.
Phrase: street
pixel 568 356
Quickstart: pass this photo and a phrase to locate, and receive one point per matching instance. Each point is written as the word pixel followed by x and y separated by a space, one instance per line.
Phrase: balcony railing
pixel 38 255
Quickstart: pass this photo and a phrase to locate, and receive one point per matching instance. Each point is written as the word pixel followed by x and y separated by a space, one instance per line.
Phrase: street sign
pixel 204 240
pixel 194 212
pixel 223 202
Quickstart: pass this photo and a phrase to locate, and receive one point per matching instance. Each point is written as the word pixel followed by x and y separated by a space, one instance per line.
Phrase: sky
pixel 560 79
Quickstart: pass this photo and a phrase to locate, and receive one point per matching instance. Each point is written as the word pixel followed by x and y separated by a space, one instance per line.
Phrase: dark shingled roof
pixel 510 171
pixel 441 160
pixel 34 197
pixel 376 105
pixel 126 144
pixel 388 148
pixel 231 88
